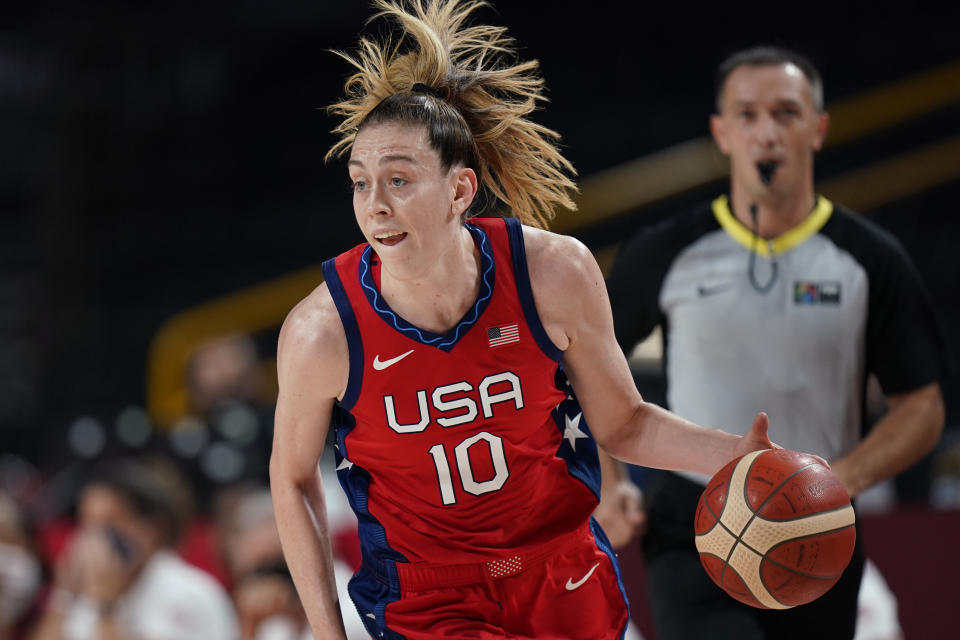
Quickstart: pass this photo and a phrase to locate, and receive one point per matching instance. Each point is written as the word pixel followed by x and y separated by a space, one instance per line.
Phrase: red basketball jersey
pixel 460 447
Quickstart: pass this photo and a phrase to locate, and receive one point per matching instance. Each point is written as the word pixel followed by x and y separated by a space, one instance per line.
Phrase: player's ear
pixel 464 189
pixel 719 133
pixel 823 125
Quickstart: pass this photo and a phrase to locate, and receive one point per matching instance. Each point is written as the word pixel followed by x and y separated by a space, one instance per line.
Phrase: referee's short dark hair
pixel 767 56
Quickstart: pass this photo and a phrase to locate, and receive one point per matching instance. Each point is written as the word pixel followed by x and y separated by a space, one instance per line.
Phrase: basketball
pixel 775 528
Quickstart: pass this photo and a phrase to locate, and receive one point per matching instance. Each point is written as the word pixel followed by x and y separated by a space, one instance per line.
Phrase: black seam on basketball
pixel 808 515
pixel 707 502
pixel 716 517
pixel 792 570
pixel 726 562
pixel 810 535
pixel 738 538
pixel 770 496
pixel 716 521
pixel 764 558
pixel 799 573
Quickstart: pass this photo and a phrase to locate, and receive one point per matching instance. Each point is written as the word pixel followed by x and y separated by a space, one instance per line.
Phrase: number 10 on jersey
pixel 465 471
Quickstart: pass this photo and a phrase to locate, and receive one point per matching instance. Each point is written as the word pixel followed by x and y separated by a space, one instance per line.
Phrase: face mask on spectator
pixel 19 580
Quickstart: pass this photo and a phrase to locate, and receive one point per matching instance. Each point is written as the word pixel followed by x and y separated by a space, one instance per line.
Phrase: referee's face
pixel 767 115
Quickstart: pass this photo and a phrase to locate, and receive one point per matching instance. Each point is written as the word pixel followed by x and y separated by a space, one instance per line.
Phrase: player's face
pixel 767 115
pixel 407 205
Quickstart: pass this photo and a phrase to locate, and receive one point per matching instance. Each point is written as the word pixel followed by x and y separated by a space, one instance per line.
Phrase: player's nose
pixel 377 203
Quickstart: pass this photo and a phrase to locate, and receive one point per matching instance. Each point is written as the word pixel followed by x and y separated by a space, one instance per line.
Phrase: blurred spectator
pixel 20 570
pixel 226 438
pixel 222 370
pixel 263 592
pixel 876 608
pixel 119 579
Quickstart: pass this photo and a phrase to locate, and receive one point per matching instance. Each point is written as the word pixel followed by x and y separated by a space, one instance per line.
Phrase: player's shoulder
pixel 313 327
pixel 555 257
pixel 544 243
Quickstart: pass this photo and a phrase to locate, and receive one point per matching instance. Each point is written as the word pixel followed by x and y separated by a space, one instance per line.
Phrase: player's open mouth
pixel 390 238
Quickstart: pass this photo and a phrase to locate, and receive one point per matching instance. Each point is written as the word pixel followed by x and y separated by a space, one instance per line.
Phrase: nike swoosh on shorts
pixel 571 585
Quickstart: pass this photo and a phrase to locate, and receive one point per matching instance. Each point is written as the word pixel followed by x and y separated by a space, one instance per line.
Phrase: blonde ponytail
pixel 476 85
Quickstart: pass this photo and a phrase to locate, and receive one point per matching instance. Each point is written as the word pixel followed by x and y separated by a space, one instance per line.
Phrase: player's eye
pixel 397 182
pixel 358 185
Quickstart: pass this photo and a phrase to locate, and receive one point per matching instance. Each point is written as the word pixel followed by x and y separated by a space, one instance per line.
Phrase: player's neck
pixel 437 298
pixel 777 213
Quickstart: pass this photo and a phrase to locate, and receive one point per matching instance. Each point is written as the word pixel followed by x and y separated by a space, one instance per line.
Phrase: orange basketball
pixel 775 528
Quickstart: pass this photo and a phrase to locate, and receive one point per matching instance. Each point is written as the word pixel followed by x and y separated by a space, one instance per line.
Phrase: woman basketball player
pixel 460 361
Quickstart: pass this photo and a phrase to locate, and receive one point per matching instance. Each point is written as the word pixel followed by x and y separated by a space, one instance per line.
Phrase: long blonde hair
pixel 469 81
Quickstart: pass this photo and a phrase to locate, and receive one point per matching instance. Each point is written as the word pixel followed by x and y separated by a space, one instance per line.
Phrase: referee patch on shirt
pixel 504 334
pixel 827 292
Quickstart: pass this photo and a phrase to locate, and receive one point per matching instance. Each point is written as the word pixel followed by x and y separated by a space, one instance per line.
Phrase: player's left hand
pixel 620 513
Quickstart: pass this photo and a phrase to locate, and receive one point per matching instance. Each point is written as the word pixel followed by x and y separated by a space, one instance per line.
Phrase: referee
pixel 773 298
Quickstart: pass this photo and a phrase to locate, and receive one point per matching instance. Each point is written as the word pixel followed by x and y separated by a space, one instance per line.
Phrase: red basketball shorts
pixel 569 589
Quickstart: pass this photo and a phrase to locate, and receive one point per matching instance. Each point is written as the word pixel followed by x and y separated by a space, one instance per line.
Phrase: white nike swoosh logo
pixel 571 585
pixel 380 365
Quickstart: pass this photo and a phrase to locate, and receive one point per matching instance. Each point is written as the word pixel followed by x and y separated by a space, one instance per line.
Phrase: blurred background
pixel 164 203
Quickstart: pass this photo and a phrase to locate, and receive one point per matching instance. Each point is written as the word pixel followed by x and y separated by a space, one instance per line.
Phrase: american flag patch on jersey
pixel 504 334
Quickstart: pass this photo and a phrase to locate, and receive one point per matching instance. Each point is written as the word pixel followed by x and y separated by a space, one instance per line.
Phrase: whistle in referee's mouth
pixel 766 169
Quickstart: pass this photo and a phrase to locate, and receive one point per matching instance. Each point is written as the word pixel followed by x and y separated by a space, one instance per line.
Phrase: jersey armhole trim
pixel 525 291
pixel 354 343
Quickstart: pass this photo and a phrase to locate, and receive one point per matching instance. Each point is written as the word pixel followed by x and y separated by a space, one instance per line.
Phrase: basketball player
pixel 796 300
pixel 468 367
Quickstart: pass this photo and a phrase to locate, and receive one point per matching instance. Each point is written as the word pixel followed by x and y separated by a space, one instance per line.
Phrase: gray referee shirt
pixel 844 301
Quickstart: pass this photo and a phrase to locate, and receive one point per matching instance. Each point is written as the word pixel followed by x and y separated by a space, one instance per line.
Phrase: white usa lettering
pixel 450 397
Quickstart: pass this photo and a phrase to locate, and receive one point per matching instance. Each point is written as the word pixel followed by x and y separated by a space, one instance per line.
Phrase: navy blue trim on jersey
pixel 349 321
pixel 525 291
pixel 447 341
pixel 376 584
pixel 578 449
pixel 604 545
pixel 355 481
pixel 372 592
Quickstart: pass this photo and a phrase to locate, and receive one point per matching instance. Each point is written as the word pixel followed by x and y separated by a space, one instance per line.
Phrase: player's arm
pixel 571 299
pixel 312 362
pixel 909 430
